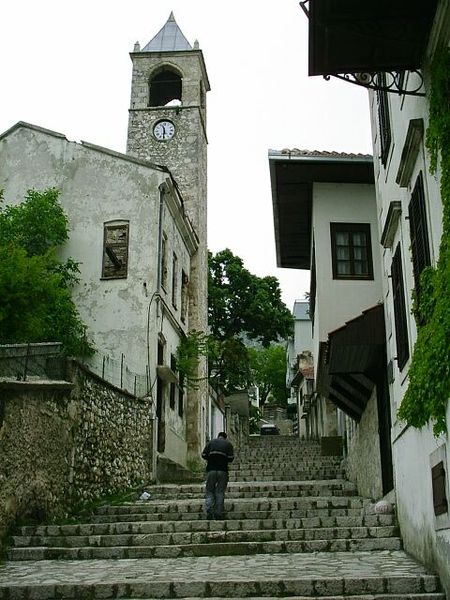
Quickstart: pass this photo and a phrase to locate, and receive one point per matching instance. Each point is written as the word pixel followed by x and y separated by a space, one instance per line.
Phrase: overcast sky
pixel 66 66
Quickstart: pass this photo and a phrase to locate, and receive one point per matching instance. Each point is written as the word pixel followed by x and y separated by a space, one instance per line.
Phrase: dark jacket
pixel 218 453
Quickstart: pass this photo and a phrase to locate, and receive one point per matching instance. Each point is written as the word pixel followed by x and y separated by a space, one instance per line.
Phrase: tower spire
pixel 169 38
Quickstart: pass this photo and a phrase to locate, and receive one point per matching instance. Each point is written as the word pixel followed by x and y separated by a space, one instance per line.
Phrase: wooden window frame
pixel 364 228
pixel 115 253
pixel 400 317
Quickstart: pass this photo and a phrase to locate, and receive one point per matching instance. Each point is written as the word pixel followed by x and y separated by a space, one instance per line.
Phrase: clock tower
pixel 167 122
pixel 167 126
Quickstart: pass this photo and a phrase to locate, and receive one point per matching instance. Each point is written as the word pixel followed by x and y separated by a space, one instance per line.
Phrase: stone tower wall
pixel 185 155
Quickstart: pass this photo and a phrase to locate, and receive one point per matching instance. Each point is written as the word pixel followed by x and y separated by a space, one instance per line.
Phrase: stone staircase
pixel 279 458
pixel 303 534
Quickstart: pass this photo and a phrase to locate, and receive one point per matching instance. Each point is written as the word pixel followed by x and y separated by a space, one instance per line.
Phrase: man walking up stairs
pixel 293 528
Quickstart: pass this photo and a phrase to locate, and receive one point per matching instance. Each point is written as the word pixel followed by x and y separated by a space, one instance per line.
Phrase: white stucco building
pixel 138 231
pixel 364 341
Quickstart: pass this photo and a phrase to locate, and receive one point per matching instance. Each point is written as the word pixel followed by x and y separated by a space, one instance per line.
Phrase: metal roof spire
pixel 168 39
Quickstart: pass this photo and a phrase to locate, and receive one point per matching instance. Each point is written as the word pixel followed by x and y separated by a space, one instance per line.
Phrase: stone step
pixel 284 468
pixel 321 514
pixel 282 476
pixel 204 537
pixel 283 462
pixel 423 596
pixel 236 504
pixel 221 547
pixel 327 487
pixel 139 527
pixel 389 574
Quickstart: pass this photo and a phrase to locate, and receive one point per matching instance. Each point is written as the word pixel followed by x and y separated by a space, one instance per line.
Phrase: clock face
pixel 164 130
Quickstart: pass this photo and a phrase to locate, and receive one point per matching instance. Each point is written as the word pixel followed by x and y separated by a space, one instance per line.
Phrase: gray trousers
pixel 216 484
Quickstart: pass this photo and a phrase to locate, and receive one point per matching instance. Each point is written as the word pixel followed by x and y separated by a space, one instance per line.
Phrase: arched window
pixel 164 87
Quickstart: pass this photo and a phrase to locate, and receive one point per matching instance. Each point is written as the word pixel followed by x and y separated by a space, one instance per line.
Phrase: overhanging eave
pixel 355 36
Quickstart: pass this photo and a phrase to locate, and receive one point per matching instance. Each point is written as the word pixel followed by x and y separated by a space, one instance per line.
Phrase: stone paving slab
pixel 241 576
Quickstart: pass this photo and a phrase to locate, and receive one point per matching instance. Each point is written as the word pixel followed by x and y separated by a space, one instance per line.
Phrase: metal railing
pixel 117 372
pixel 23 362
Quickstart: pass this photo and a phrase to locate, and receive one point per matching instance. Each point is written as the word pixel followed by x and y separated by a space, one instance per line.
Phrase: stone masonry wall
pixel 363 460
pixel 64 445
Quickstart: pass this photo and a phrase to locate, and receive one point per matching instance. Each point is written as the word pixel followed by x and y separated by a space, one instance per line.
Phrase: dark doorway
pixel 384 428
pixel 160 405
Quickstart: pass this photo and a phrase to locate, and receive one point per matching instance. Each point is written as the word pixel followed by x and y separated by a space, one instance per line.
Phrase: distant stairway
pixel 294 528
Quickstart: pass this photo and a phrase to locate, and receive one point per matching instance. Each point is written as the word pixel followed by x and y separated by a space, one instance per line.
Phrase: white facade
pixel 126 316
pixel 406 225
pixel 340 300
pixel 415 451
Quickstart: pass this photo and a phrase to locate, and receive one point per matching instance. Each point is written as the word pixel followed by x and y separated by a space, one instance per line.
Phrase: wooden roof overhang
pixel 351 360
pixel 292 179
pixel 366 36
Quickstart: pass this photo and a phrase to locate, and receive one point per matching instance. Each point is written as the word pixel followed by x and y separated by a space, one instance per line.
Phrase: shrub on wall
pixel 428 392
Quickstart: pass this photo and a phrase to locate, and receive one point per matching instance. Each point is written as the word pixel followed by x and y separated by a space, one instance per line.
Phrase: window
pixel 384 120
pixel 351 251
pixel 115 250
pixel 419 232
pixel 173 385
pixel 440 502
pixel 401 324
pixel 174 280
pixel 181 396
pixel 184 295
pixel 164 261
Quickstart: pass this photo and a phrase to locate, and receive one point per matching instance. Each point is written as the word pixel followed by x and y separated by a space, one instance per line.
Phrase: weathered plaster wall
pixel 416 451
pixel 61 446
pixel 363 460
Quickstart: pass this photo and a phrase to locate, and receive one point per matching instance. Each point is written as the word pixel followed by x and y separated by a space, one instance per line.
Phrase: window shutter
pixel 401 326
pixel 439 496
pixel 115 250
pixel 419 232
pixel 384 120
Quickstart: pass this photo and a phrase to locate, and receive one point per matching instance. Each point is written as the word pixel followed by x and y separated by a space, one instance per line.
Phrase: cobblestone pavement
pixel 237 568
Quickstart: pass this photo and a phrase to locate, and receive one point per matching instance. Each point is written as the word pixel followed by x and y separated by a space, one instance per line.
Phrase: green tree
pixel 241 303
pixel 241 307
pixel 34 285
pixel 268 372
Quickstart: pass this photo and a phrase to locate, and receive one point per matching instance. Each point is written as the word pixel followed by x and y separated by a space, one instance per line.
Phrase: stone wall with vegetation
pixel 64 445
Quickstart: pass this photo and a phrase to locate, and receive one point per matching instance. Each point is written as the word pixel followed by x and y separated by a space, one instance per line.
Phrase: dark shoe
pixel 209 516
pixel 219 517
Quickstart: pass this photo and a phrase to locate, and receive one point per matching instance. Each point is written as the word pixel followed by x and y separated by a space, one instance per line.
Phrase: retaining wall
pixel 64 444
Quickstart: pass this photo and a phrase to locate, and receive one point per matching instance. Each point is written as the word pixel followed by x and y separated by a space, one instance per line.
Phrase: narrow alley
pixel 293 528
